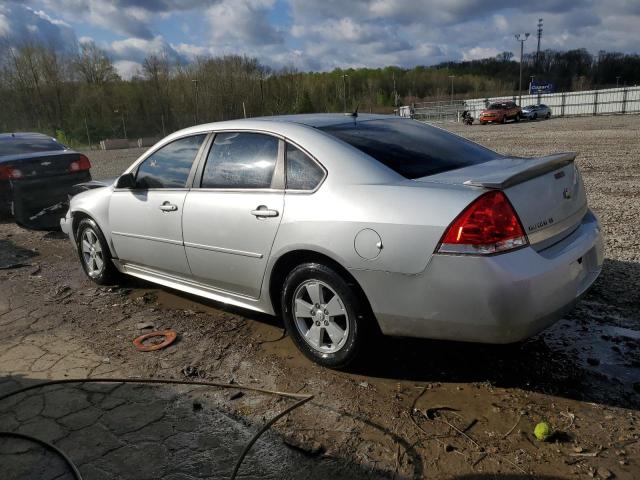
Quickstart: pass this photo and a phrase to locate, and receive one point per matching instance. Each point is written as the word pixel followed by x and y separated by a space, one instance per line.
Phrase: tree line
pixel 79 96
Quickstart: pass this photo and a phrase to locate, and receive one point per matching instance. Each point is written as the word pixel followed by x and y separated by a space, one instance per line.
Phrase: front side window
pixel 169 166
pixel 302 172
pixel 240 160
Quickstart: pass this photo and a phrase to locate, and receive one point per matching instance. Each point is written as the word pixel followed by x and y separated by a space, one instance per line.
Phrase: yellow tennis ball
pixel 543 431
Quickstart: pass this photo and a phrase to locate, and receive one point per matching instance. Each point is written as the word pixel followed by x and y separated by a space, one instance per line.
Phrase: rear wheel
pixel 323 315
pixel 517 117
pixel 535 116
pixel 548 116
pixel 504 119
pixel 94 253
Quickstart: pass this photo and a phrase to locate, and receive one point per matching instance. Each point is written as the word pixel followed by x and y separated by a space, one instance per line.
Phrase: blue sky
pixel 323 34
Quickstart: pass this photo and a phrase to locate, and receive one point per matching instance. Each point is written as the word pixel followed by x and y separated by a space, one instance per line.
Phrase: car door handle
pixel 263 211
pixel 168 207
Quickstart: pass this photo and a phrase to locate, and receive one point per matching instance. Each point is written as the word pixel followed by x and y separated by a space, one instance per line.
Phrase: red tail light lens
pixel 82 163
pixel 9 173
pixel 488 225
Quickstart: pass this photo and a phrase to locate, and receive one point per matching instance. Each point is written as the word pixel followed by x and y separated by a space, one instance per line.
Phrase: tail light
pixel 9 173
pixel 82 163
pixel 488 225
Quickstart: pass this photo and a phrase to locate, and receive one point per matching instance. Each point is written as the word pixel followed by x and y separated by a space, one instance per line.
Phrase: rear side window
pixel 169 166
pixel 411 148
pixel 302 172
pixel 240 160
pixel 19 145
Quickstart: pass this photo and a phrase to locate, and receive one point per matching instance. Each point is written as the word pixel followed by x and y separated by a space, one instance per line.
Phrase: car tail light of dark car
pixel 82 163
pixel 9 173
pixel 489 225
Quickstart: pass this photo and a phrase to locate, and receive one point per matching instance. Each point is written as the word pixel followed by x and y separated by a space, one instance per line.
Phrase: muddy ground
pixel 411 409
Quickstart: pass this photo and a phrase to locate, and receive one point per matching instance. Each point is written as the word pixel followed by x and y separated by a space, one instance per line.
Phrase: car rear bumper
pixel 491 299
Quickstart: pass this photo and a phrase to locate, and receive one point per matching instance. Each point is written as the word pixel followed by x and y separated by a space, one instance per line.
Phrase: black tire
pixel 535 116
pixel 548 116
pixel 504 119
pixel 356 310
pixel 517 117
pixel 483 123
pixel 108 273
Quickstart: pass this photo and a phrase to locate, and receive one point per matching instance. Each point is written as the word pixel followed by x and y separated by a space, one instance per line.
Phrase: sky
pixel 322 34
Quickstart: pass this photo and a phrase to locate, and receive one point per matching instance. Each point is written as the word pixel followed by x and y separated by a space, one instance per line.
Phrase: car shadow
pixel 592 355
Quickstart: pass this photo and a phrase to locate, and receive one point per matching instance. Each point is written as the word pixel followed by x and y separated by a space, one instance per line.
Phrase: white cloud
pixel 477 53
pixel 127 69
pixel 242 23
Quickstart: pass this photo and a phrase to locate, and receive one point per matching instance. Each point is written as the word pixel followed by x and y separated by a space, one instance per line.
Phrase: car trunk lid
pixel 41 164
pixel 546 192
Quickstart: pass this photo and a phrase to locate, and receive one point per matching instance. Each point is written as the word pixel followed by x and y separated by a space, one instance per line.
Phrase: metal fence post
pixel 624 101
pixel 595 103
pixel 564 97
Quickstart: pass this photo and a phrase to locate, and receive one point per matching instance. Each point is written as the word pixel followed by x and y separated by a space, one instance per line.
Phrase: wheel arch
pixel 78 215
pixel 289 260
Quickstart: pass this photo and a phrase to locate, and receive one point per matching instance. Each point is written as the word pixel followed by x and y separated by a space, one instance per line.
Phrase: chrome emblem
pixel 566 193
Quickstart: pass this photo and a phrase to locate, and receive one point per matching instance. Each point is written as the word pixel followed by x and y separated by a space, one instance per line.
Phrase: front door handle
pixel 262 211
pixel 168 207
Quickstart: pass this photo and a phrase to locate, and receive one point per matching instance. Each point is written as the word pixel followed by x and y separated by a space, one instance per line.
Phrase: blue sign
pixel 540 88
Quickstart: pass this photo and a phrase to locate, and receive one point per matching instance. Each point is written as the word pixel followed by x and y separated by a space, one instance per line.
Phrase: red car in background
pixel 500 112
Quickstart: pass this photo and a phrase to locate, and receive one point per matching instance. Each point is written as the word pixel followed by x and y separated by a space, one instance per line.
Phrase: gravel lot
pixel 582 375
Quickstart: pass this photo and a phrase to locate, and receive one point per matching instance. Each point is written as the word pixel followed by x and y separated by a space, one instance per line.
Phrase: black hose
pixel 69 462
pixel 303 398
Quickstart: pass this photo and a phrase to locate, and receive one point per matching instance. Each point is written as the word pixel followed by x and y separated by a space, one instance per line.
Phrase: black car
pixel 37 173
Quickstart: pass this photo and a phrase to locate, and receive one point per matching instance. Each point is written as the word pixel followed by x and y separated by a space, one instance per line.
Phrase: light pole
pixel 195 83
pixel 344 92
pixel 521 40
pixel 452 77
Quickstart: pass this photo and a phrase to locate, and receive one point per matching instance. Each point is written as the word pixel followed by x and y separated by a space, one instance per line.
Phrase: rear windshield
pixel 411 148
pixel 497 106
pixel 19 145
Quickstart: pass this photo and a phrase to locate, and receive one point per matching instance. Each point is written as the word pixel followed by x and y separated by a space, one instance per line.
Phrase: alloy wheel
pixel 92 254
pixel 320 316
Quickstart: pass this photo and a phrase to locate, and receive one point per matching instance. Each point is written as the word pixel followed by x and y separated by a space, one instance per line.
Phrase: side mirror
pixel 126 180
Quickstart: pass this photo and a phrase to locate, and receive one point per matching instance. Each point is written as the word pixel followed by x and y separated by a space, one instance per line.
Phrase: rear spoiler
pixel 522 170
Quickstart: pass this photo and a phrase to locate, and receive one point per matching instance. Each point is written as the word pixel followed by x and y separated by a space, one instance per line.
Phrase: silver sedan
pixel 347 226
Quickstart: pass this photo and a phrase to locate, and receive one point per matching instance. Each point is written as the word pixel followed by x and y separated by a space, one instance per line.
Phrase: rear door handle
pixel 168 207
pixel 263 211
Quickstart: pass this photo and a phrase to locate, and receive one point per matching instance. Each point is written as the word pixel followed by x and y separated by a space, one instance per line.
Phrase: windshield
pixel 497 106
pixel 530 107
pixel 19 145
pixel 411 148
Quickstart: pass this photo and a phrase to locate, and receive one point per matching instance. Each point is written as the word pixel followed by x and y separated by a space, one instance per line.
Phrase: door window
pixel 302 172
pixel 169 166
pixel 240 160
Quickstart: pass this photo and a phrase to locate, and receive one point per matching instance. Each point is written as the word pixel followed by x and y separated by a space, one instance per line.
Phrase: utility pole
pixel 452 77
pixel 344 92
pixel 195 83
pixel 86 126
pixel 521 39
pixel 395 92
pixel 124 126
pixel 538 50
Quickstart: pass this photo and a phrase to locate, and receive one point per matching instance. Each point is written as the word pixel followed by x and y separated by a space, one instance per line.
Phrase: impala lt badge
pixel 566 193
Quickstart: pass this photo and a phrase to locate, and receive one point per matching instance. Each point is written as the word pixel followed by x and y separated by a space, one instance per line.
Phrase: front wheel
pixel 548 116
pixel 94 253
pixel 504 119
pixel 323 315
pixel 517 117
